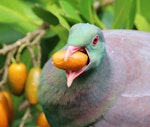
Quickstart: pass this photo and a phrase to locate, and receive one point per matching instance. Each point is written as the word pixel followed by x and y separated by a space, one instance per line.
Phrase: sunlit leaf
pixel 141 23
pixel 20 14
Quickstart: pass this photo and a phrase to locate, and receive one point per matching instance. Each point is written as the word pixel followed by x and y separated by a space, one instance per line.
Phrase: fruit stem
pixel 19 52
pixel 13 60
pixel 31 51
pixel 26 116
pixel 39 55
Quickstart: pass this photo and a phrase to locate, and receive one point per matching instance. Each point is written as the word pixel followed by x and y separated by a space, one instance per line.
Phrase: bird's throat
pixel 72 74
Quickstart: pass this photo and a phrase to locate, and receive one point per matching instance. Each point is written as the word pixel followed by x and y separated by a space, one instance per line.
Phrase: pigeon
pixel 111 90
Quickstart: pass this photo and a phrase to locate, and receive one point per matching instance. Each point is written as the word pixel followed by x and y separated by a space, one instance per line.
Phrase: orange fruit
pixel 3 119
pixel 4 111
pixel 17 74
pixel 42 121
pixel 10 106
pixel 76 61
pixel 32 84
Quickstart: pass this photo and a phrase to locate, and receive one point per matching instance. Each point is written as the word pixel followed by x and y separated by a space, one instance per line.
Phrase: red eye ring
pixel 95 40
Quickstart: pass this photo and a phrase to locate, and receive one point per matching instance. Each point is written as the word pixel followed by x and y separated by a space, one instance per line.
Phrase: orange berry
pixel 32 84
pixel 4 111
pixel 3 117
pixel 17 74
pixel 10 105
pixel 42 121
pixel 76 61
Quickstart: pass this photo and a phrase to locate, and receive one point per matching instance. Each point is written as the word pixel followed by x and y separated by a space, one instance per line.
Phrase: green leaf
pixel 70 11
pixel 46 15
pixel 61 32
pixel 143 8
pixel 131 15
pixel 19 14
pixel 26 59
pixel 49 34
pixel 8 34
pixel 85 8
pixel 47 46
pixel 124 13
pixel 2 63
pixel 63 35
pixel 142 23
pixel 97 21
pixel 58 47
pixel 55 10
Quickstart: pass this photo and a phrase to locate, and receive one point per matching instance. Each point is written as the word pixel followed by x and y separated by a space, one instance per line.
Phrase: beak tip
pixel 69 83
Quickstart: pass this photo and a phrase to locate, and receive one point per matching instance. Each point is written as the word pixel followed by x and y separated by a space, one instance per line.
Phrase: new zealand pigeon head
pixel 88 39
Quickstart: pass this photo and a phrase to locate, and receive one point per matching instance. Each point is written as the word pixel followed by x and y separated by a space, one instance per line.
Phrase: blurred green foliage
pixel 18 17
pixel 21 16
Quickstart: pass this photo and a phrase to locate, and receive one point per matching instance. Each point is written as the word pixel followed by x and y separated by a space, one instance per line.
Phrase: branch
pixel 25 117
pixel 39 33
pixel 5 69
pixel 27 114
pixel 32 55
pixel 107 2
pixel 98 5
pixel 23 105
pixel 31 39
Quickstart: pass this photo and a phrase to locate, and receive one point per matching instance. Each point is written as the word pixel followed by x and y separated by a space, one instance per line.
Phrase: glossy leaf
pixel 61 32
pixel 85 8
pixel 55 10
pixel 142 20
pixel 46 15
pixel 69 11
pixel 142 23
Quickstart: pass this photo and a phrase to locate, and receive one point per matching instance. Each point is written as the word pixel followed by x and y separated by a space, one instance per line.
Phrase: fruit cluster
pixel 20 82
pixel 25 82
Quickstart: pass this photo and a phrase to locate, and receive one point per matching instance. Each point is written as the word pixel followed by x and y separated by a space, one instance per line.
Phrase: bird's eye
pixel 95 40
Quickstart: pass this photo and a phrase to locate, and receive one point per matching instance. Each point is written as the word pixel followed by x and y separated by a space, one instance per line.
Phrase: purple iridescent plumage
pixel 114 90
